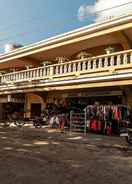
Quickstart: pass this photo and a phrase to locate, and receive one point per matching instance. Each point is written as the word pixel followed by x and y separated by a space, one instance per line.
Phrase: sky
pixel 29 21
pixel 105 9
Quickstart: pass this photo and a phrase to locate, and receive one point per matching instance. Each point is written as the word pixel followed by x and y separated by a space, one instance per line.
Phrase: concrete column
pixel 27 107
pixel 1 110
pixel 129 97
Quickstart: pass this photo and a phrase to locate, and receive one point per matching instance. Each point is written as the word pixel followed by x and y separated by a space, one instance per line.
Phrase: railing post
pixel 89 64
pixel 69 67
pixel 51 71
pixel 37 73
pixel 100 63
pixel 65 68
pixel 131 57
pixel 84 65
pixel 79 67
pixel 43 72
pixel 112 61
pixel 118 60
pixel 40 72
pixel 24 75
pixel 94 64
pixel 61 69
pixel 34 73
pixel 56 70
pixel 106 62
pixel 74 66
pixel 125 60
pixel 0 79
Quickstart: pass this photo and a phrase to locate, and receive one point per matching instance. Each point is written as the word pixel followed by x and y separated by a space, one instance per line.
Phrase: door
pixel 35 109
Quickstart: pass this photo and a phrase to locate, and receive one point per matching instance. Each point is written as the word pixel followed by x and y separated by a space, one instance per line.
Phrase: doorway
pixel 35 109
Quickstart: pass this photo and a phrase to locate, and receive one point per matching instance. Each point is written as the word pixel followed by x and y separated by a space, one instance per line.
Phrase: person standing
pixel 62 122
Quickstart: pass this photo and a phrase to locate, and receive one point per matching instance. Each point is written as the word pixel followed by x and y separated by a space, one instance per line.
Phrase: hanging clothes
pixel 99 116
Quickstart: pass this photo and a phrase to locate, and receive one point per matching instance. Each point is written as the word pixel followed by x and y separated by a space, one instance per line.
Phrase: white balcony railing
pixel 99 63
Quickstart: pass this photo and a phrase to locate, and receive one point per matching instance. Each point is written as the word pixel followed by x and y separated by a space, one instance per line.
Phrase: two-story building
pixel 89 64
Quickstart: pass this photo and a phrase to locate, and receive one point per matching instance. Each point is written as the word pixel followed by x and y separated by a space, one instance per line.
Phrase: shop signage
pixel 9 98
pixel 93 94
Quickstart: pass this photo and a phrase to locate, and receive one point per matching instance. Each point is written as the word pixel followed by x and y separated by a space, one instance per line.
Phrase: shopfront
pixel 82 98
pixel 12 105
pixel 108 107
pixel 85 98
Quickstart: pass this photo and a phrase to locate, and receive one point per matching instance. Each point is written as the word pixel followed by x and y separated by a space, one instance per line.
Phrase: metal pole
pixel 70 121
pixel 85 128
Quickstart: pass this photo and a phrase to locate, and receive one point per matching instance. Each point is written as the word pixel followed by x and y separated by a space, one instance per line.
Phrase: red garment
pixel 117 114
pixel 62 123
pixel 93 124
pixel 109 131
pixel 99 126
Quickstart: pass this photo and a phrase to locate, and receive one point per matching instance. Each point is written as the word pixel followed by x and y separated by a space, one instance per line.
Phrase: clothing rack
pixel 77 122
pixel 104 108
pixel 107 118
pixel 104 117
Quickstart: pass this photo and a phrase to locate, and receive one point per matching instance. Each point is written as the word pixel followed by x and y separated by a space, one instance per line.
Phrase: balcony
pixel 115 65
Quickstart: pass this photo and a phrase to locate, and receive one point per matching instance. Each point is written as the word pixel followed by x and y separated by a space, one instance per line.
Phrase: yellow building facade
pixel 90 64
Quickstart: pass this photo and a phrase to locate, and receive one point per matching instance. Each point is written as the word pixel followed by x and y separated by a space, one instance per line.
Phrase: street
pixel 44 157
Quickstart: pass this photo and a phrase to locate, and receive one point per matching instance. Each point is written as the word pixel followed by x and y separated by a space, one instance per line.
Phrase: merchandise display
pixel 106 119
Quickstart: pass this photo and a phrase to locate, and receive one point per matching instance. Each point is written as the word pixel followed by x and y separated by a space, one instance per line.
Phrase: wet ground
pixel 43 157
